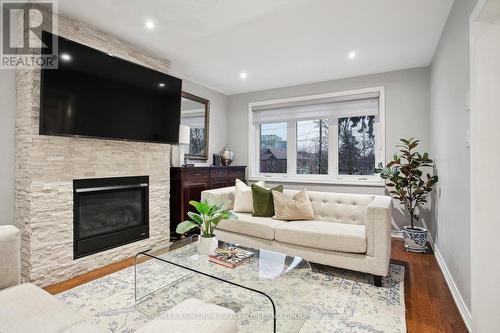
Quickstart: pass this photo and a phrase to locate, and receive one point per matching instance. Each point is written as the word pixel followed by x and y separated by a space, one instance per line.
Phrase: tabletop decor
pixel 226 156
pixel 208 216
pixel 230 257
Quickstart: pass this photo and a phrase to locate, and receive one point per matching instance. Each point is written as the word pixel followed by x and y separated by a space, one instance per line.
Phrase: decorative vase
pixel 207 246
pixel 415 239
pixel 226 156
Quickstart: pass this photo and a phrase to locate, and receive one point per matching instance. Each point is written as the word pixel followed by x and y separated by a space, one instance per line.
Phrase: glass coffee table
pixel 269 293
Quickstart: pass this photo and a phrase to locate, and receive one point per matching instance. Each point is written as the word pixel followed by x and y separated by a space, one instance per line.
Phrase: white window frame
pixel 333 177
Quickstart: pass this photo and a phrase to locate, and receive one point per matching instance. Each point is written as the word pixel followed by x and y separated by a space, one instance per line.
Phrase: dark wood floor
pixel 429 304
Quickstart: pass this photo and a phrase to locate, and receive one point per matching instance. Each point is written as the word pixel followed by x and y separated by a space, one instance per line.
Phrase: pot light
pixel 161 85
pixel 351 55
pixel 65 57
pixel 149 24
pixel 243 75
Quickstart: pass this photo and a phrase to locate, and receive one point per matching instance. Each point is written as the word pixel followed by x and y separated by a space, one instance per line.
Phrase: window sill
pixel 372 181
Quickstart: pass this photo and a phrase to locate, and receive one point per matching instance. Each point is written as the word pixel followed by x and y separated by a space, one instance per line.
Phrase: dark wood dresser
pixel 187 184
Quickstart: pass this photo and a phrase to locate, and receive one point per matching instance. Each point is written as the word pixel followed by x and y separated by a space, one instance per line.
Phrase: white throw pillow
pixel 243 202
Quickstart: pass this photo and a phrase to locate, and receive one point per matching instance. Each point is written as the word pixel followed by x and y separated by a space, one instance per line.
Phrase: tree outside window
pixel 312 147
pixel 356 143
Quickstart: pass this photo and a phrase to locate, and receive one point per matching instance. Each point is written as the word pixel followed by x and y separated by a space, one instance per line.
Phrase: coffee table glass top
pixel 270 282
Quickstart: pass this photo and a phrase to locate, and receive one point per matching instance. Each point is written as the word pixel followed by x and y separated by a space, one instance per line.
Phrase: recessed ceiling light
pixel 161 85
pixel 351 55
pixel 150 24
pixel 243 75
pixel 65 57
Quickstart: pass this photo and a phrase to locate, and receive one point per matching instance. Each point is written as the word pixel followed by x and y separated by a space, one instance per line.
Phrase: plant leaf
pixel 195 217
pixel 185 226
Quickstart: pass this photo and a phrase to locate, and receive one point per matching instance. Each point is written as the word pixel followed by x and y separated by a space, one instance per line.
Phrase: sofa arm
pixel 378 228
pixel 224 195
pixel 10 258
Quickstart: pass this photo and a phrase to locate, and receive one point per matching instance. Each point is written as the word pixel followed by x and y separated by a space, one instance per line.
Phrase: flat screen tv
pixel 95 94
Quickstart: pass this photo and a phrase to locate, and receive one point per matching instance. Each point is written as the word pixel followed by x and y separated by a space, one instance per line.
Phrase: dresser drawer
pixel 218 173
pixel 240 174
pixel 194 174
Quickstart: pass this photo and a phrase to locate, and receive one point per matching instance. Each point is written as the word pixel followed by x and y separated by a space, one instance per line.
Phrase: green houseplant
pixel 208 216
pixel 406 183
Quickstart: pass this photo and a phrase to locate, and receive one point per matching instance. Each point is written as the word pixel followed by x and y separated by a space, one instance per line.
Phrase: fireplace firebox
pixel 109 212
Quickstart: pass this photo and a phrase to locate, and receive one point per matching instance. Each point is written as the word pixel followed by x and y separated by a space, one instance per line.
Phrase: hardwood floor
pixel 429 304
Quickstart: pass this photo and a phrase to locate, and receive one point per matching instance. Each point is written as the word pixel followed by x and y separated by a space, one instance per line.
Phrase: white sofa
pixel 26 308
pixel 351 231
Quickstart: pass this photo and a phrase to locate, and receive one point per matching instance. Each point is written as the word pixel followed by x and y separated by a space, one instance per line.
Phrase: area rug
pixel 337 300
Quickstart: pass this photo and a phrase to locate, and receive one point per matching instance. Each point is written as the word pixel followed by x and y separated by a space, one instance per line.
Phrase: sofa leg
pixel 377 281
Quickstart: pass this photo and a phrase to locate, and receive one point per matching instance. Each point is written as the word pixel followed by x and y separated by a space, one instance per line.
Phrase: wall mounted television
pixel 95 94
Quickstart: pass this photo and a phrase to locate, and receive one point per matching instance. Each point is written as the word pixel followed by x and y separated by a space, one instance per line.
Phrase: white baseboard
pixel 396 234
pixel 459 301
pixel 455 293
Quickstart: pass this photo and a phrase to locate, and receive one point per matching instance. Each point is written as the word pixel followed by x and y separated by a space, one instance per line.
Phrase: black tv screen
pixel 95 94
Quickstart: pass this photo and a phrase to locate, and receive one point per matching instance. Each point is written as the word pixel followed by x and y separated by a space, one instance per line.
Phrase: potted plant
pixel 207 218
pixel 404 179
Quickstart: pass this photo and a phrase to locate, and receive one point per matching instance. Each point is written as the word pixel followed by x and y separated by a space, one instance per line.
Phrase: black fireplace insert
pixel 109 212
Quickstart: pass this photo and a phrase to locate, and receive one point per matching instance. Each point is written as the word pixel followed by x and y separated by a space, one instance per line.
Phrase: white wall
pixel 407 115
pixel 7 144
pixel 449 122
pixel 485 163
pixel 218 116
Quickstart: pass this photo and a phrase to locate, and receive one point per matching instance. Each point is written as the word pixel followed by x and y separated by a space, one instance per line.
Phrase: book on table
pixel 230 257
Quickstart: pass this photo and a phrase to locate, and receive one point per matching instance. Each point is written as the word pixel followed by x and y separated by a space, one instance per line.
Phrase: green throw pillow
pixel 263 205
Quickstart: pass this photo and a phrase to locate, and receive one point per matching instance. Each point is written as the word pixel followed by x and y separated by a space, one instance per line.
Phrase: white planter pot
pixel 207 246
pixel 415 239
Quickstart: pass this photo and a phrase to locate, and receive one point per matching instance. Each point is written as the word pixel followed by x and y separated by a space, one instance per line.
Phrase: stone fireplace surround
pixel 47 165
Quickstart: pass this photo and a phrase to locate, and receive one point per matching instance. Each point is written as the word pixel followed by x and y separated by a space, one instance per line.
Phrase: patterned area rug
pixel 338 300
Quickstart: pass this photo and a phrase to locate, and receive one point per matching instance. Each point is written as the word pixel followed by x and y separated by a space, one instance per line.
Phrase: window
pixel 273 148
pixel 312 147
pixel 356 145
pixel 336 137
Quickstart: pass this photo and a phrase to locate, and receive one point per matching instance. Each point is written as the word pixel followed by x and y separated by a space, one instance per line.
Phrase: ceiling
pixel 276 42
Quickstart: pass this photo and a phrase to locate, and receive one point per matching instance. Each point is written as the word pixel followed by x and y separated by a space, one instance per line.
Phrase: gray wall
pixel 407 105
pixel 449 123
pixel 217 118
pixel 7 144
pixel 407 115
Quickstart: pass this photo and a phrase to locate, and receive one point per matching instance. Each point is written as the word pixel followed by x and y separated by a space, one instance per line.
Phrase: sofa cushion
pixel 246 224
pixel 10 259
pixel 27 308
pixel 323 235
pixel 243 202
pixel 340 207
pixel 296 208
pixel 263 205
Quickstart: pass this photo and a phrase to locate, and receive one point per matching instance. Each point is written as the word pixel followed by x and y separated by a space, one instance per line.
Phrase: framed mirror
pixel 194 114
